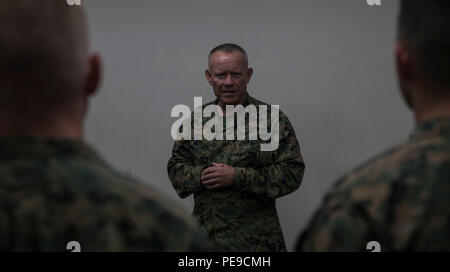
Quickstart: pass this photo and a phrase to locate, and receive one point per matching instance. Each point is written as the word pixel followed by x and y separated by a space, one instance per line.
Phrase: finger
pixel 210 182
pixel 218 164
pixel 209 170
pixel 209 176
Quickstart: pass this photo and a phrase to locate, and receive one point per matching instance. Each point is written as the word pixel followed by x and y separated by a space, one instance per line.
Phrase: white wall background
pixel 328 64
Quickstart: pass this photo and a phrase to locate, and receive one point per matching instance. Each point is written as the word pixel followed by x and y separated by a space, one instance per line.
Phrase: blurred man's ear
pixel 94 74
pixel 405 72
pixel 208 76
pixel 403 62
pixel 249 74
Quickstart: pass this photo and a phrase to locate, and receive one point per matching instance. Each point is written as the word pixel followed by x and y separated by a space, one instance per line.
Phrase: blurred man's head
pixel 228 73
pixel 423 53
pixel 46 72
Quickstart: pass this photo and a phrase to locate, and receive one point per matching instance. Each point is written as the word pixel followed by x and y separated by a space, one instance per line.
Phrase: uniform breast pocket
pixel 244 154
pixel 201 152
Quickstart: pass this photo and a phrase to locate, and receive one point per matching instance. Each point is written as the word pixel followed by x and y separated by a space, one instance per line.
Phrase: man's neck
pixel 432 109
pixel 224 110
pixel 26 127
pixel 224 106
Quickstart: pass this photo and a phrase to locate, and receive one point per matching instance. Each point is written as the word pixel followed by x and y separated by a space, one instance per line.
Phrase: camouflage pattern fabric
pixel 400 199
pixel 56 191
pixel 242 217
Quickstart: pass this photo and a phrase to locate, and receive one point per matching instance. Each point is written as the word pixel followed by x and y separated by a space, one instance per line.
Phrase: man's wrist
pixel 239 177
pixel 203 167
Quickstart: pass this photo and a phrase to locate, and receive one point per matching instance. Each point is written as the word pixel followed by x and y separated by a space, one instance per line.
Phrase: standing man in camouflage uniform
pixel 401 199
pixel 234 183
pixel 54 188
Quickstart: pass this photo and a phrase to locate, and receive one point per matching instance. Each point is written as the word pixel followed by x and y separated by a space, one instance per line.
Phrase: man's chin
pixel 229 101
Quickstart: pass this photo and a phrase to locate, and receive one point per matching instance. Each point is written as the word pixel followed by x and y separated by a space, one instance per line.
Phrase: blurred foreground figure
pixel 53 187
pixel 401 199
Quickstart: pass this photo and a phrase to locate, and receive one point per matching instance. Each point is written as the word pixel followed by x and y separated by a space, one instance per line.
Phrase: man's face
pixel 229 75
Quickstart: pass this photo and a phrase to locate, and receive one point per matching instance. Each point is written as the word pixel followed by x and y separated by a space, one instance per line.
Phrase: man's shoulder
pixel 399 190
pixel 409 165
pixel 155 213
pixel 132 189
pixel 141 199
pixel 102 208
pixel 254 101
pixel 257 102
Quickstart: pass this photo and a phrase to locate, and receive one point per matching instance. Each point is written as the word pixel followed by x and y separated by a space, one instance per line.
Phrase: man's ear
pixel 94 74
pixel 208 76
pixel 404 63
pixel 405 72
pixel 249 74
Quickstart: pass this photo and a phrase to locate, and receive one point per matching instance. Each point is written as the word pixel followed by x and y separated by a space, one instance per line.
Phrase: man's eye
pixel 221 76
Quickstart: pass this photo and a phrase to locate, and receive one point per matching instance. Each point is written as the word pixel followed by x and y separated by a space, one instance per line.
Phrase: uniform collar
pixel 435 127
pixel 36 148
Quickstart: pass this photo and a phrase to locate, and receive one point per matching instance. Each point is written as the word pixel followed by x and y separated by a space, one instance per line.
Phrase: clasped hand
pixel 218 176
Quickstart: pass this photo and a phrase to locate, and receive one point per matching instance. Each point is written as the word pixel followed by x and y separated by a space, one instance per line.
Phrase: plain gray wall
pixel 328 64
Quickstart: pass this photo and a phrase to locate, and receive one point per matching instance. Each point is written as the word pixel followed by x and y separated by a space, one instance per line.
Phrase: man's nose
pixel 229 80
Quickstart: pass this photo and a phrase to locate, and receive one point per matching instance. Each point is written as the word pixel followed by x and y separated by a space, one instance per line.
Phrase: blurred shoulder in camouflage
pixel 235 182
pixel 401 198
pixel 56 191
pixel 54 188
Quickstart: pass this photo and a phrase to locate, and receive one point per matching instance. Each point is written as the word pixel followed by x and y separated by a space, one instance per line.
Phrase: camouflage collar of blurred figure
pixel 437 127
pixel 29 147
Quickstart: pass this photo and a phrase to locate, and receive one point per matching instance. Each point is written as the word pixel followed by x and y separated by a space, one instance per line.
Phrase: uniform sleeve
pixel 283 175
pixel 339 225
pixel 184 176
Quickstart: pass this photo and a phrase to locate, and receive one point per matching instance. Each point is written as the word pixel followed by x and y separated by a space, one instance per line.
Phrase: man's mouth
pixel 229 92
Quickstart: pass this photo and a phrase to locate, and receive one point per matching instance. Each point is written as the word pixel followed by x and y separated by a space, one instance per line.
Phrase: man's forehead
pixel 222 59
